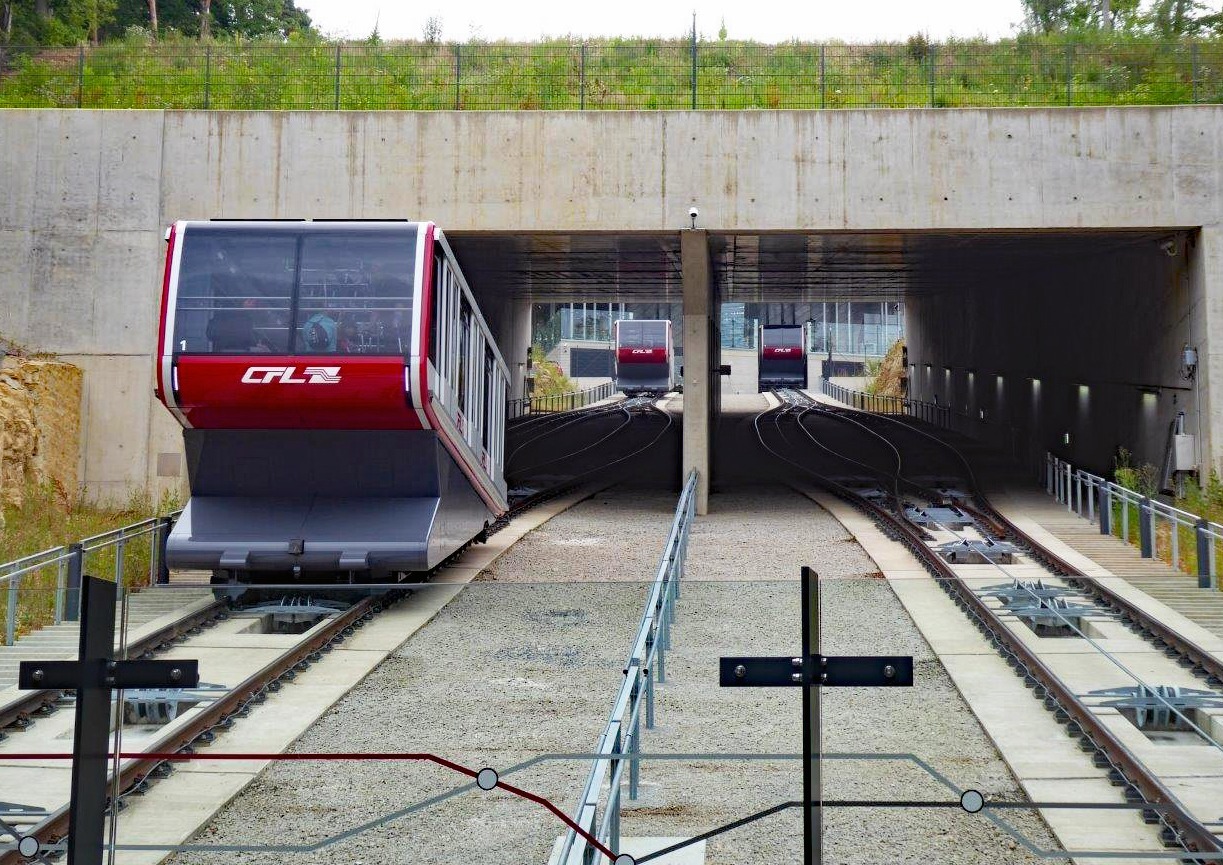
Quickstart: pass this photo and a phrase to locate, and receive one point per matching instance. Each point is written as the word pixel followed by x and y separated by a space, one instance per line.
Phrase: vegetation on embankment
pixel 44 521
pixel 550 380
pixel 887 375
pixel 1202 500
pixel 304 71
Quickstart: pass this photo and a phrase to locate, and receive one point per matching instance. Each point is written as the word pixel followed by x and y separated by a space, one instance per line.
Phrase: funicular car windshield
pixel 784 336
pixel 643 334
pixel 308 290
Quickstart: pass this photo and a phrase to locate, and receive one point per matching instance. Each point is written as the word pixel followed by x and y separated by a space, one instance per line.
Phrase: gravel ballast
pixel 526 663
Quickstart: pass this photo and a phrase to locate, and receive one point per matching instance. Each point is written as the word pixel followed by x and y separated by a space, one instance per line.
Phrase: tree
pixel 205 18
pixel 1173 19
pixel 1051 16
pixel 153 16
pixel 256 18
pixel 1045 16
pixel 433 30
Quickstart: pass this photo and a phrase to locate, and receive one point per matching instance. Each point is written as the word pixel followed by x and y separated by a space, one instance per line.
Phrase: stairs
pixel 1179 591
pixel 62 641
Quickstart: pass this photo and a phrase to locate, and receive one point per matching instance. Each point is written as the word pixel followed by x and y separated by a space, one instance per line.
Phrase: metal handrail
pixel 69 561
pixel 620 743
pixel 931 412
pixel 1112 506
pixel 558 402
pixel 1008 438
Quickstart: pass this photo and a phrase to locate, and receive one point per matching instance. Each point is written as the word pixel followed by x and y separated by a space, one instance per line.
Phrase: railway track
pixel 891 468
pixel 605 438
pixel 200 725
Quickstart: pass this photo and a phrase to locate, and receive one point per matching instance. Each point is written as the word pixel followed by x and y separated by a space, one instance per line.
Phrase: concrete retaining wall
pixel 88 194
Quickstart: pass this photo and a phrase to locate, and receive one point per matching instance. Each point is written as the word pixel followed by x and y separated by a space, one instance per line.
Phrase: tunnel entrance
pixel 1066 340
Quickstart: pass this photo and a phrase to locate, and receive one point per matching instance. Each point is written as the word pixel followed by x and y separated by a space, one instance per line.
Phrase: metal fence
pixel 44 588
pixel 637 75
pixel 620 745
pixel 1018 444
pixel 1186 541
pixel 932 413
pixel 559 401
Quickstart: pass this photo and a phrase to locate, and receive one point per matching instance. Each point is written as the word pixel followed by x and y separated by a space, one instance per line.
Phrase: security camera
pixel 1169 248
pixel 693 213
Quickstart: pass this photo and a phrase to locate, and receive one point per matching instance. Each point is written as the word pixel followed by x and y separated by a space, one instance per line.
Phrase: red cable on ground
pixel 179 757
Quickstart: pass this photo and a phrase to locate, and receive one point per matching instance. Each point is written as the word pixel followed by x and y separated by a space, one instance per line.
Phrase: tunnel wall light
pixel 1189 361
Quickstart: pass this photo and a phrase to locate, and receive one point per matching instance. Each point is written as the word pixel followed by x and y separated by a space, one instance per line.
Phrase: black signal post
pixel 812 671
pixel 94 676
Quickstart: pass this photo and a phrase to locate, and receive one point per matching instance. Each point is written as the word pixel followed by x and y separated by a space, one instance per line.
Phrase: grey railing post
pixel 1202 533
pixel 120 560
pixel 649 690
pixel 1069 74
pixel 458 73
pixel 582 80
pixel 161 575
pixel 207 77
pixel 80 76
pixel 1146 543
pixel 933 73
pixel 634 761
pixel 1105 508
pixel 1193 69
pixel 823 83
pixel 337 78
pixel 694 62
pixel 10 613
pixel 61 583
pixel 72 593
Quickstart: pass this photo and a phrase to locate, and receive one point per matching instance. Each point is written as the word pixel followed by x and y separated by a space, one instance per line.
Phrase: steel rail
pixel 216 714
pixel 133 772
pixel 997 523
pixel 19 711
pixel 566 419
pixel 1187 830
pixel 624 408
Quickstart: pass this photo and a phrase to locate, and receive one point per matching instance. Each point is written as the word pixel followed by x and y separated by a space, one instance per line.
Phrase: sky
pixel 760 20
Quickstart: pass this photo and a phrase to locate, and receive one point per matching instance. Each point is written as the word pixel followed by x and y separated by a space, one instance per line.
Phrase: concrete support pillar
pixel 1205 254
pixel 700 374
pixel 513 332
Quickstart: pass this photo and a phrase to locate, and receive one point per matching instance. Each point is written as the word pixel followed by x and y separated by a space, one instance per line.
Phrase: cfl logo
pixel 286 375
pixel 642 351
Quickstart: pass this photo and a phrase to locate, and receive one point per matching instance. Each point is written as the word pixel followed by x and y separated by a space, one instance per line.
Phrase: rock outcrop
pixel 40 423
pixel 889 380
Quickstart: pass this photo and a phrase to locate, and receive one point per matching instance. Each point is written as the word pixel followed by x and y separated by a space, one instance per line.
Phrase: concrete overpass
pixel 1030 245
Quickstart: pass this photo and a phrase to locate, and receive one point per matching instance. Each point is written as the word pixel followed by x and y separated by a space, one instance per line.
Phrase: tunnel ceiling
pixel 639 267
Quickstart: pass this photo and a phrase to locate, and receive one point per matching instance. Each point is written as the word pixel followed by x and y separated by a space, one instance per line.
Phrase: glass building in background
pixel 858 328
pixel 862 328
pixel 592 322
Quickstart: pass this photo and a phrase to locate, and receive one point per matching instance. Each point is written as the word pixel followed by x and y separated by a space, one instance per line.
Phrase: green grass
pixel 43 522
pixel 614 74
